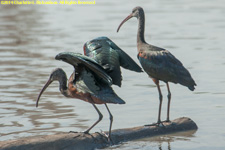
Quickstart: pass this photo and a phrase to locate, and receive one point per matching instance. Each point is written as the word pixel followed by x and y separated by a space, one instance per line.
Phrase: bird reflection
pixel 164 142
pixel 168 145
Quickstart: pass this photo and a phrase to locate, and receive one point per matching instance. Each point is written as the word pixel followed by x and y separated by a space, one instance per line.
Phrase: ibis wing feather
pixel 125 60
pixel 101 91
pixel 110 57
pixel 164 66
pixel 75 59
pixel 100 50
pixel 87 83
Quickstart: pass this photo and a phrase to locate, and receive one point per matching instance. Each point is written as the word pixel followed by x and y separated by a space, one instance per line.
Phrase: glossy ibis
pixel 159 63
pixel 88 82
pixel 110 57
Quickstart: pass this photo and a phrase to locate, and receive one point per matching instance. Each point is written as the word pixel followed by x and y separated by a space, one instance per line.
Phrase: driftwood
pixel 80 141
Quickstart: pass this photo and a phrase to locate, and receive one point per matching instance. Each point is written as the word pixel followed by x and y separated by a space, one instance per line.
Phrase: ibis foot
pixel 107 136
pixel 167 120
pixel 73 132
pixel 82 132
pixel 158 124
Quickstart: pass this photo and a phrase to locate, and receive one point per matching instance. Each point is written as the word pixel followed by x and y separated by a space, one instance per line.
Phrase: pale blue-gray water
pixel 193 31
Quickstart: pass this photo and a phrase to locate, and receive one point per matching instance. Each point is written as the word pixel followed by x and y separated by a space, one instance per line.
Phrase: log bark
pixel 79 141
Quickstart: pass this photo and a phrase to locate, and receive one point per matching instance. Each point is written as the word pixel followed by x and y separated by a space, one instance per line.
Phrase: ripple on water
pixel 31 36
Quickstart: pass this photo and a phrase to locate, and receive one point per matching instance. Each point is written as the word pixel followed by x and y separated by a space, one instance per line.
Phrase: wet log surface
pixel 79 141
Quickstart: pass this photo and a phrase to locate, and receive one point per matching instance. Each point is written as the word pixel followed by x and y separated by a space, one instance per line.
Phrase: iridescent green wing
pixel 76 59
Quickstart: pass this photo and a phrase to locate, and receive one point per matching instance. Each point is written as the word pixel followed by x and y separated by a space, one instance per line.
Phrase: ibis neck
pixel 141 29
pixel 63 87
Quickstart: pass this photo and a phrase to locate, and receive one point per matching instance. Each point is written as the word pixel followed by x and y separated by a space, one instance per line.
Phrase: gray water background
pixel 193 31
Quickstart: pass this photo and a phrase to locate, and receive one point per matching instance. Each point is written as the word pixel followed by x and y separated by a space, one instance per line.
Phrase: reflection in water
pixel 22 68
pixel 168 139
pixel 30 37
pixel 160 146
pixel 164 142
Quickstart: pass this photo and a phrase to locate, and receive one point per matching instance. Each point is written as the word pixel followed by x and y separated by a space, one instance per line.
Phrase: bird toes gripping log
pixel 158 62
pixel 89 82
pixel 106 136
pixel 158 124
pixel 167 121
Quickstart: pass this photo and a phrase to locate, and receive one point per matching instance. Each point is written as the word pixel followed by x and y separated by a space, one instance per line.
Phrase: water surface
pixel 193 31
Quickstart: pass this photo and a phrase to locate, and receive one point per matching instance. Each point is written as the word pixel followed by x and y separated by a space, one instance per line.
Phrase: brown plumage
pixel 159 63
pixel 88 82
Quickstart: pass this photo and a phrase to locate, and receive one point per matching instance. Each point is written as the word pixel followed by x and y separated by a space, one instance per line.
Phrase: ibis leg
pixel 169 147
pixel 169 100
pixel 99 119
pixel 160 102
pixel 111 120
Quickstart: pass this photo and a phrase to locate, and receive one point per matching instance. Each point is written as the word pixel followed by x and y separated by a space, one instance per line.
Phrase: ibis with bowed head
pixel 88 82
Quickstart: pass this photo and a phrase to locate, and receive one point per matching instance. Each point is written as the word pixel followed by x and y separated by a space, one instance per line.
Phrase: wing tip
pixel 192 88
pixel 139 70
pixel 120 101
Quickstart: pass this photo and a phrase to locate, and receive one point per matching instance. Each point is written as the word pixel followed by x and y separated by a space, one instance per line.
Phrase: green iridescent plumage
pixel 110 57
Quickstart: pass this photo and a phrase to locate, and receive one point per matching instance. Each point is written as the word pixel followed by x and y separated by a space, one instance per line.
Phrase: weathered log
pixel 79 141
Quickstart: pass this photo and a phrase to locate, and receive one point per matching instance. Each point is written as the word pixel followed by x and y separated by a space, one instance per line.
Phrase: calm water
pixel 31 36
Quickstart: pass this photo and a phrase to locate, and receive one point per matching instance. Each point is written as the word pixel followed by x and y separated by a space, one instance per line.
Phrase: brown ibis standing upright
pixel 159 63
pixel 110 57
pixel 88 82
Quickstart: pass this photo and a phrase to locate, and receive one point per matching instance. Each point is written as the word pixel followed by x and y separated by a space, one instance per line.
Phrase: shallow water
pixel 193 31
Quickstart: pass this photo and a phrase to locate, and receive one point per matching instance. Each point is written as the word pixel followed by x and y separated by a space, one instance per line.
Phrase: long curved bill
pixel 43 89
pixel 127 18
